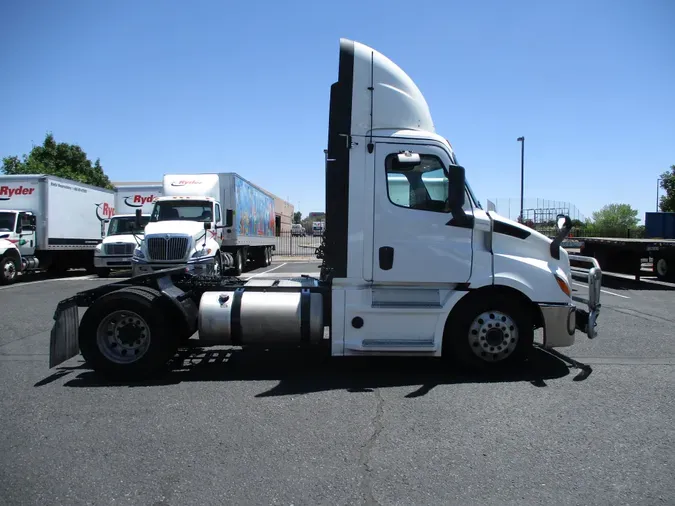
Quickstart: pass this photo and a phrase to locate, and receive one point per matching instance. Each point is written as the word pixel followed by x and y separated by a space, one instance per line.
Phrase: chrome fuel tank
pixel 262 312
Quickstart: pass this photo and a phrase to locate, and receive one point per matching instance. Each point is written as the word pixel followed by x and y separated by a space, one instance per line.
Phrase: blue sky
pixel 158 87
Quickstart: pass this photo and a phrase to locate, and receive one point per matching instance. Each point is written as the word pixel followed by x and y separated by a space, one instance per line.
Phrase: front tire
pixel 492 332
pixel 123 335
pixel 103 272
pixel 8 271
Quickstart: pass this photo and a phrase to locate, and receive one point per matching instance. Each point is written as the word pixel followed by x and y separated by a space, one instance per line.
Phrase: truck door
pixel 416 238
pixel 25 230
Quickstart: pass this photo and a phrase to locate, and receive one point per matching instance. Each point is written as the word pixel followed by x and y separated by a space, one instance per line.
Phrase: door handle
pixel 386 254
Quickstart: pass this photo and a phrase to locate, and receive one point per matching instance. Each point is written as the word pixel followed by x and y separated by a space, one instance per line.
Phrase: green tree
pixel 63 160
pixel 667 201
pixel 297 217
pixel 615 217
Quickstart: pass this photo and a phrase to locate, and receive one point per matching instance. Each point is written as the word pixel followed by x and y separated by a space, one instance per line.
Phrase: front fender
pixel 534 278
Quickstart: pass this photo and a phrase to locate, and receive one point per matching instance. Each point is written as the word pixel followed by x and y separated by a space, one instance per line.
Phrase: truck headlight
pixel 97 249
pixel 138 253
pixel 201 253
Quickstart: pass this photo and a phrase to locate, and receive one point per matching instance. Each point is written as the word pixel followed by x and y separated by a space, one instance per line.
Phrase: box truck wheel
pixel 491 331
pixel 124 335
pixel 8 270
pixel 268 254
pixel 238 266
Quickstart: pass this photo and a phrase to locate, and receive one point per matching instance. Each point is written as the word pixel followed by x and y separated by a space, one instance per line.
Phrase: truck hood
pixel 513 238
pixel 125 238
pixel 193 229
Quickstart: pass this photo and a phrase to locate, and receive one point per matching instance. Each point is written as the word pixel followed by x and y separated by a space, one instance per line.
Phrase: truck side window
pixel 23 221
pixel 424 187
pixel 218 217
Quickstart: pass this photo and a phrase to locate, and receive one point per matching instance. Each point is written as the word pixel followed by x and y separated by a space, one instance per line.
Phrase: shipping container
pixel 660 225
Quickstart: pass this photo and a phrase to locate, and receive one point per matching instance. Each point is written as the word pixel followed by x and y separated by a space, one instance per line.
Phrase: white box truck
pixel 122 237
pixel 55 223
pixel 429 274
pixel 208 222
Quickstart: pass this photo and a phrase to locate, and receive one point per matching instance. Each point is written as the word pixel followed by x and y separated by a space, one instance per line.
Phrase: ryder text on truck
pixel 420 272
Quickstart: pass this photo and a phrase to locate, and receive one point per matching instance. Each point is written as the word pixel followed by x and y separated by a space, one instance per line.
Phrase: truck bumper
pixel 110 262
pixel 201 266
pixel 561 321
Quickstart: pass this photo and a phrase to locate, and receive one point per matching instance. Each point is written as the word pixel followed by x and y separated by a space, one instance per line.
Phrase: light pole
pixel 658 181
pixel 522 174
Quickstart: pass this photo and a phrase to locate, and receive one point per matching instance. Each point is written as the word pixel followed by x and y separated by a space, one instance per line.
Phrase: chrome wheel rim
pixel 123 337
pixel 493 336
pixel 9 270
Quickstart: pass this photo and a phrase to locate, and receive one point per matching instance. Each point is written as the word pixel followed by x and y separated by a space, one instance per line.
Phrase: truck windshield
pixel 187 210
pixel 7 221
pixel 126 225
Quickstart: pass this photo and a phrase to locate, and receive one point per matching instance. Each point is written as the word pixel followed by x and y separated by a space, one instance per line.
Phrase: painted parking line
pixel 605 291
pixel 20 283
pixel 265 272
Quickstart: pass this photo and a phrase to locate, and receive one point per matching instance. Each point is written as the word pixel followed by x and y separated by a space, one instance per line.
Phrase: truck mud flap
pixel 64 343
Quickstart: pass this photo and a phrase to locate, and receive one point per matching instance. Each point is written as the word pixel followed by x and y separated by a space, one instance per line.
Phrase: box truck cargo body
pixel 122 237
pixel 55 223
pixel 208 222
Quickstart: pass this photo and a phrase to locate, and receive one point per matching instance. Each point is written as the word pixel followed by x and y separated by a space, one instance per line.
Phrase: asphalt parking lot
pixel 232 427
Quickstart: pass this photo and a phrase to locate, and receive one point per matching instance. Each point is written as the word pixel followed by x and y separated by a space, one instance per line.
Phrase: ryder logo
pixel 138 200
pixel 104 211
pixel 7 192
pixel 186 182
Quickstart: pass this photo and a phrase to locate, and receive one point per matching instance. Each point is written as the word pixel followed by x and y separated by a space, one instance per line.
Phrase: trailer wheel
pixel 125 336
pixel 491 332
pixel 8 270
pixel 663 269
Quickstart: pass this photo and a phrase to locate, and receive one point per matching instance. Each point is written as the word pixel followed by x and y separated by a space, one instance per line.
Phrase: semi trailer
pixel 55 223
pixel 123 235
pixel 208 222
pixel 430 275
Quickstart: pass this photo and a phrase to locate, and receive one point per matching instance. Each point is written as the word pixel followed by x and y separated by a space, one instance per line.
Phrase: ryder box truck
pixel 122 236
pixel 428 274
pixel 53 223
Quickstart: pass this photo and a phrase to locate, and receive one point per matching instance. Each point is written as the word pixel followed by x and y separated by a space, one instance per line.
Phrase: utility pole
pixel 522 174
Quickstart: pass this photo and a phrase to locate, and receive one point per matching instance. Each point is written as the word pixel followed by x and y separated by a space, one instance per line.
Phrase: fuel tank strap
pixel 235 317
pixel 305 299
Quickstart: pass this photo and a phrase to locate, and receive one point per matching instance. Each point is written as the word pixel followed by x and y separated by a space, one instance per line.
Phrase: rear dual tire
pixel 124 335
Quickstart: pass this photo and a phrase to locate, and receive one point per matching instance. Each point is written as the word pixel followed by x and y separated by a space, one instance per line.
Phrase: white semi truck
pixel 53 223
pixel 208 222
pixel 429 275
pixel 122 237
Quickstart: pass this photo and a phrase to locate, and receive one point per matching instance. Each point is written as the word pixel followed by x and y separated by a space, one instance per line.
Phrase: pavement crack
pixel 641 314
pixel 366 452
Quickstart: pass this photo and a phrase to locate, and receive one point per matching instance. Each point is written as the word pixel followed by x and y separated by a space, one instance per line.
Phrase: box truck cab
pixel 123 236
pixel 424 272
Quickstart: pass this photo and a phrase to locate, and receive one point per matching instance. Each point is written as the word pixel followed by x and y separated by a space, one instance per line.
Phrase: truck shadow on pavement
pixel 310 371
pixel 617 283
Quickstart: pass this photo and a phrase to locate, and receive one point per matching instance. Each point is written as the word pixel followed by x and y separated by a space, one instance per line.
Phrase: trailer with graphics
pixel 122 237
pixel 54 223
pixel 207 222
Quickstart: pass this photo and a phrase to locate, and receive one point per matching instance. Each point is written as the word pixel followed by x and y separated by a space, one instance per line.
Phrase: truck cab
pixel 182 230
pixel 17 243
pixel 118 245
